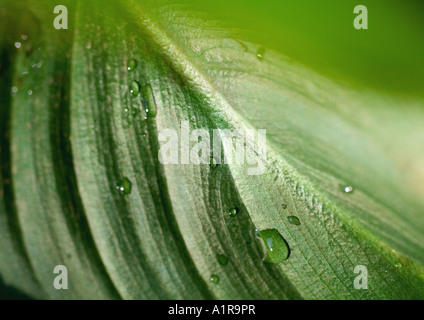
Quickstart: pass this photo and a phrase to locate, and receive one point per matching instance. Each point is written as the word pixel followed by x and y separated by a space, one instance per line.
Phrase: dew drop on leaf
pixel 260 53
pixel 132 65
pixel 213 163
pixel 214 278
pixel 134 88
pixel 233 212
pixel 277 249
pixel 149 101
pixel 284 206
pixel 124 186
pixel 347 189
pixel 13 90
pixel 134 112
pixel 294 220
pixel 222 259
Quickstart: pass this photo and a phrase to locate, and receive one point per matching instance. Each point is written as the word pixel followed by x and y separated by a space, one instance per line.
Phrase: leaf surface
pixel 73 132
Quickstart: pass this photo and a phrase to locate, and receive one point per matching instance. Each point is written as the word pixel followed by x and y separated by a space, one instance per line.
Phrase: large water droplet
pixel 214 278
pixel 124 186
pixel 149 101
pixel 294 220
pixel 132 65
pixel 134 88
pixel 222 259
pixel 277 249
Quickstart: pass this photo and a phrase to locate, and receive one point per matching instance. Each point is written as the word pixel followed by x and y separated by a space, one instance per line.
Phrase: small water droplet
pixel 348 189
pixel 233 212
pixel 134 88
pixel 29 92
pixel 213 163
pixel 14 90
pixel 124 186
pixel 149 101
pixel 214 278
pixel 277 249
pixel 284 206
pixel 260 53
pixel 135 112
pixel 132 65
pixel 18 45
pixel 222 259
pixel 24 37
pixel 294 220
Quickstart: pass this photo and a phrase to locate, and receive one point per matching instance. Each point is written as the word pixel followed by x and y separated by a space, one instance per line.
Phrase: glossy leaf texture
pixel 82 186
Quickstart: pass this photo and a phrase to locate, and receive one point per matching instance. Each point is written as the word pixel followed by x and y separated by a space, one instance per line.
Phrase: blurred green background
pixel 388 56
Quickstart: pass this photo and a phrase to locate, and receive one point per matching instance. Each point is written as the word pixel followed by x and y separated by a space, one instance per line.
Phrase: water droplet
pixel 277 249
pixel 14 90
pixel 18 45
pixel 135 112
pixel 294 220
pixel 134 88
pixel 214 278
pixel 24 37
pixel 233 212
pixel 222 259
pixel 347 189
pixel 132 65
pixel 260 53
pixel 284 206
pixel 149 101
pixel 124 186
pixel 213 163
pixel 30 92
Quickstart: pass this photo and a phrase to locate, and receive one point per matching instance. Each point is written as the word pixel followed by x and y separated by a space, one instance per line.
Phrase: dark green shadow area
pixel 11 293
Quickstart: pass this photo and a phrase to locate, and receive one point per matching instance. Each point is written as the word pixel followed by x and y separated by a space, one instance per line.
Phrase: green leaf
pixel 81 184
